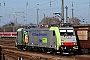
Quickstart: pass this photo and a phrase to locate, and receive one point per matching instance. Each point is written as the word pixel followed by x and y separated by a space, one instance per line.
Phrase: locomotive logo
pixel 39 34
pixel 43 40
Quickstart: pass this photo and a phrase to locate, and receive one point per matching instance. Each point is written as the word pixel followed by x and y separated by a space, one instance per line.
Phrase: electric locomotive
pixel 68 40
pixel 51 39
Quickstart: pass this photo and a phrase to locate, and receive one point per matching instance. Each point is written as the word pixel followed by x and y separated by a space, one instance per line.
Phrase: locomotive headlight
pixel 32 43
pixel 74 43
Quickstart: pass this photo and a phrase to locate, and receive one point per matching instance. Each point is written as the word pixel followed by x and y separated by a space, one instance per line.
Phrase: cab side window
pixel 53 33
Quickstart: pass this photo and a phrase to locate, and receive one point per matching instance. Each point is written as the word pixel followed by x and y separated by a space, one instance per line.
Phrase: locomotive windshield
pixel 66 32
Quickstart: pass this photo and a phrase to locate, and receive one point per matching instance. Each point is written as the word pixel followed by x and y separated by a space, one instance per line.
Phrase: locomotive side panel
pixel 20 38
pixel 42 39
pixel 53 40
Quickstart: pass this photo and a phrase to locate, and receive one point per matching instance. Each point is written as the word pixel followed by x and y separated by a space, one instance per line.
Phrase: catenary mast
pixel 62 11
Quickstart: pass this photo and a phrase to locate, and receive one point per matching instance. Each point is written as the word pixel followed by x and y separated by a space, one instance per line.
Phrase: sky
pixel 25 11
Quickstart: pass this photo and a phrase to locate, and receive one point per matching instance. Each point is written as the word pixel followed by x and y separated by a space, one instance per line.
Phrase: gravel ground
pixel 7 42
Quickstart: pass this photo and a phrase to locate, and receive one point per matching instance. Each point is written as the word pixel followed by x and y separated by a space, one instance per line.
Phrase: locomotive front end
pixel 68 40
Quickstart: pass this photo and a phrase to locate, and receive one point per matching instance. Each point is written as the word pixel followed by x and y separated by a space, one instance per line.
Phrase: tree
pixel 50 21
pixel 74 20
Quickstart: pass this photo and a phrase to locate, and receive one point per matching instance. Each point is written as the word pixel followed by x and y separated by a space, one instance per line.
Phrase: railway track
pixel 11 52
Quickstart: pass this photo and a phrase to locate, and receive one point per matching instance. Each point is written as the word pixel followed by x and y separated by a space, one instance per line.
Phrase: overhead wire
pixel 50 2
pixel 83 9
pixel 42 4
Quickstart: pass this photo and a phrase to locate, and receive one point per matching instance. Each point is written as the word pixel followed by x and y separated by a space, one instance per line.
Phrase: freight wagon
pixel 83 33
pixel 51 39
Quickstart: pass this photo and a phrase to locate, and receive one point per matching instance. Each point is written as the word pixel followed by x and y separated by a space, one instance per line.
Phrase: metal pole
pixel 72 17
pixel 44 19
pixel 16 23
pixel 62 11
pixel 66 14
pixel 37 15
pixel 0 20
pixel 72 14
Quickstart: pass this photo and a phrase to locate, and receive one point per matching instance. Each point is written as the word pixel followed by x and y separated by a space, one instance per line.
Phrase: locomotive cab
pixel 22 38
pixel 68 40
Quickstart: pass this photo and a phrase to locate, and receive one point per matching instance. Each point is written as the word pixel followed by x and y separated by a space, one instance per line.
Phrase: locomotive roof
pixel 65 27
pixel 37 29
pixel 19 29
